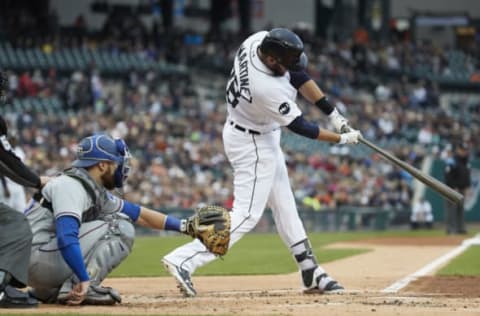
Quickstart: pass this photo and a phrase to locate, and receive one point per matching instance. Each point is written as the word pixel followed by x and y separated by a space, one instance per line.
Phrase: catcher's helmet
pixel 101 147
pixel 287 47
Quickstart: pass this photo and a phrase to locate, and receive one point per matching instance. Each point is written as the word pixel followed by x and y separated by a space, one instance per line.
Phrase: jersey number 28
pixel 233 91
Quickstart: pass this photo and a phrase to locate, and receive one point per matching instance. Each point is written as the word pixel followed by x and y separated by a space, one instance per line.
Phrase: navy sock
pixel 172 223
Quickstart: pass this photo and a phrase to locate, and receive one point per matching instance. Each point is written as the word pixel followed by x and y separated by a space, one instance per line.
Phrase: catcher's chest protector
pixel 98 194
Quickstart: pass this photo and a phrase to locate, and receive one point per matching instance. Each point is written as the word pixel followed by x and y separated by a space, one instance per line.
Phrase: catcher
pixel 81 231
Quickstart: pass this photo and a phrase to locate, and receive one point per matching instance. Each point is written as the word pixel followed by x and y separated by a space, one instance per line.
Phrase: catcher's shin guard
pixel 110 251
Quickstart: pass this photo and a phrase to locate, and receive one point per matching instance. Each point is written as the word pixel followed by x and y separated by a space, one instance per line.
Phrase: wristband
pixel 173 223
pixel 324 105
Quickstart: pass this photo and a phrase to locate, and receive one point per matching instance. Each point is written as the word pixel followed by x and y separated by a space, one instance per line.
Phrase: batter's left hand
pixel 338 120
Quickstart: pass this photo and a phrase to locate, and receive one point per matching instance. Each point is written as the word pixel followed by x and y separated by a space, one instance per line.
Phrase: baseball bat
pixel 430 181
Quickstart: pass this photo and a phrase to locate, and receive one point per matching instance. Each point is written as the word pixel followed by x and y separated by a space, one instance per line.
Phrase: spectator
pixel 169 106
pixel 422 215
pixel 457 176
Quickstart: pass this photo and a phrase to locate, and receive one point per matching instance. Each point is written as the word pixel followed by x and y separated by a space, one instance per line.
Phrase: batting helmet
pixel 94 149
pixel 287 47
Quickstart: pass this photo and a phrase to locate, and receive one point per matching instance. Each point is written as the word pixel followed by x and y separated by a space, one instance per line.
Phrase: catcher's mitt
pixel 211 225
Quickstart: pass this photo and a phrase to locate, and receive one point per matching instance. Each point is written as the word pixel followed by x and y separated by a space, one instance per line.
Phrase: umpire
pixel 457 176
pixel 15 233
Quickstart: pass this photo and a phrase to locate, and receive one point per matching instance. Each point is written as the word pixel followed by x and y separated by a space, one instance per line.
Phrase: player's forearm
pixel 314 95
pixel 328 136
pixel 311 91
pixel 311 130
pixel 157 220
pixel 151 219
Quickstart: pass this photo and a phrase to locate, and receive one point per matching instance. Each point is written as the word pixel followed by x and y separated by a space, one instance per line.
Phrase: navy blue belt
pixel 243 129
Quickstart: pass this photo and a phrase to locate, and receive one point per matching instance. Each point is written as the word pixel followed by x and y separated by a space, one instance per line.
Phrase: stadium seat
pixel 59 61
pixel 22 59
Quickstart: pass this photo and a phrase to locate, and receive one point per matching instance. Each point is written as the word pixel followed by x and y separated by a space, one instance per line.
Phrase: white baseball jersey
pixel 258 104
pixel 257 99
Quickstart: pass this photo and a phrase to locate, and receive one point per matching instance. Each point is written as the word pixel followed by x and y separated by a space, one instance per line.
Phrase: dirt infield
pixel 364 276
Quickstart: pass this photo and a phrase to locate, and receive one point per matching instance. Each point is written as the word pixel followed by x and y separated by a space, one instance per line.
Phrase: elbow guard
pixel 302 127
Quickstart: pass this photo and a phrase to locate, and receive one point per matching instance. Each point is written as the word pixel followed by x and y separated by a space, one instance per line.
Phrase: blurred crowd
pixel 173 127
pixel 173 124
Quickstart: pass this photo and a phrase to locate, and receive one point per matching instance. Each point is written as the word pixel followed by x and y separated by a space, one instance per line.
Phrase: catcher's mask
pixel 93 149
pixel 286 47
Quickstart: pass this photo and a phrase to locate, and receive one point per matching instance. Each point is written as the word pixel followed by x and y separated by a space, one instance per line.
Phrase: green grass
pixel 466 264
pixel 253 254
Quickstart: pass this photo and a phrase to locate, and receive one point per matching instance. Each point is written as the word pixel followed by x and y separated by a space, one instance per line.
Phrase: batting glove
pixel 351 137
pixel 337 120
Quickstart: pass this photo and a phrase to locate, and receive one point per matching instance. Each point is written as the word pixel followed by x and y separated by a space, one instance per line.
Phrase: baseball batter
pixel 266 76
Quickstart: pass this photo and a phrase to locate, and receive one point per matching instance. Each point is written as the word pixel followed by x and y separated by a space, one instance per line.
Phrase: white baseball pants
pixel 260 179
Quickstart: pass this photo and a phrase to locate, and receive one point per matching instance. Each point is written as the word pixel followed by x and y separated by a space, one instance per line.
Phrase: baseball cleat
pixel 333 287
pixel 10 297
pixel 184 282
pixel 324 284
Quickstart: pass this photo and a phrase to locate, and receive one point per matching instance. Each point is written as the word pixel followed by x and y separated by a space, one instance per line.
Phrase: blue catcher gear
pixel 94 149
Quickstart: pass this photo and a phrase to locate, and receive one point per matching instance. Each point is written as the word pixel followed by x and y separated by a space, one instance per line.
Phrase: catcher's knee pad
pixel 110 250
pixel 125 230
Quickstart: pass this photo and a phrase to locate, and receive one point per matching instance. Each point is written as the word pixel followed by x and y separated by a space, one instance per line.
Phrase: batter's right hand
pixel 351 137
pixel 78 293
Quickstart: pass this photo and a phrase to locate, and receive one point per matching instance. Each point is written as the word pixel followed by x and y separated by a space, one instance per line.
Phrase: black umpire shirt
pixel 11 166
